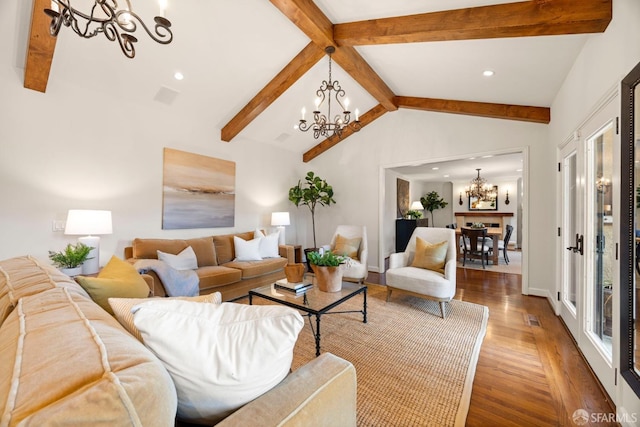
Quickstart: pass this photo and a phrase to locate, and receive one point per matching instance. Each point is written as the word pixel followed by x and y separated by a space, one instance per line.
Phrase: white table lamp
pixel 91 223
pixel 416 206
pixel 279 220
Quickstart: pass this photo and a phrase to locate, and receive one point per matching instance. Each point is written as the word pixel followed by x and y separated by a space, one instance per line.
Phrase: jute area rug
pixel 413 367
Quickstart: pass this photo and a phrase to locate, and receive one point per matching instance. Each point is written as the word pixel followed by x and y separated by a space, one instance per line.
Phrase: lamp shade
pixel 280 218
pixel 87 222
pixel 416 206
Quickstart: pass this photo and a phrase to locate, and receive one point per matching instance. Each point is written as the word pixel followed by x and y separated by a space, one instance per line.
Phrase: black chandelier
pixel 480 190
pixel 105 17
pixel 322 124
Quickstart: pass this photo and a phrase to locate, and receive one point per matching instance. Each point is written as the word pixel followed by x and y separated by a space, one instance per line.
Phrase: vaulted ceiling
pixel 389 56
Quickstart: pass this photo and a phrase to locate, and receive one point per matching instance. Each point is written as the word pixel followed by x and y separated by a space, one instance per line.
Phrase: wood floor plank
pixel 526 375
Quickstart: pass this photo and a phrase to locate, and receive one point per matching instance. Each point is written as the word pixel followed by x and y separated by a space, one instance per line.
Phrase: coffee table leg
pixel 250 299
pixel 317 335
pixel 364 306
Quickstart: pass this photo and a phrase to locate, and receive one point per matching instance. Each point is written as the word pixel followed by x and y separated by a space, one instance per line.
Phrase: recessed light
pixel 435 168
pixel 488 73
pixel 178 75
pixel 446 176
pixel 518 170
pixel 487 157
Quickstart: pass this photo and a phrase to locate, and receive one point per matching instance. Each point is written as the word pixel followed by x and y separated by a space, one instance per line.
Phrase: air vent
pixel 531 320
pixel 166 95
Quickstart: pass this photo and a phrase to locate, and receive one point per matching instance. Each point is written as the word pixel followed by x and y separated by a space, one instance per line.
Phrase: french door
pixel 589 232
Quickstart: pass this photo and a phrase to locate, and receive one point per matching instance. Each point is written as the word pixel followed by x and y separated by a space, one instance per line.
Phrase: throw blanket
pixel 177 283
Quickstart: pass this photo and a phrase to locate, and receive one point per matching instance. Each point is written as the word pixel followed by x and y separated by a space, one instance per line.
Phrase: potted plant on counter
pixel 326 267
pixel 70 260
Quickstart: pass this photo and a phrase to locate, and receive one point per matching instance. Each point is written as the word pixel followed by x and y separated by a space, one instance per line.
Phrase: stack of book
pixel 299 287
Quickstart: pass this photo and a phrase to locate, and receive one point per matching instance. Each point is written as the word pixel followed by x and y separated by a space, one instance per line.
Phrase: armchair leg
pixel 443 309
pixel 388 293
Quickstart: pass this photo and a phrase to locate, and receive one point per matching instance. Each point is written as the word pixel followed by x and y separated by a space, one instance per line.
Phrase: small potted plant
pixel 70 260
pixel 326 267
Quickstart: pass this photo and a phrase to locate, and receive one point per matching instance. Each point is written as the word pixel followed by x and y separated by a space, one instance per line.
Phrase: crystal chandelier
pixel 322 124
pixel 105 17
pixel 480 190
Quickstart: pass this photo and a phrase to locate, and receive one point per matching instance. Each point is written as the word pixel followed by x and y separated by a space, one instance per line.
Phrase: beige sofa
pixel 217 270
pixel 66 361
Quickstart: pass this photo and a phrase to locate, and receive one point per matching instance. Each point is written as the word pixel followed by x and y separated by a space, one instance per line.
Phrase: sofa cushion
pixel 23 276
pixel 251 269
pixel 65 360
pixel 148 248
pixel 205 251
pixel 185 260
pixel 269 245
pixel 210 277
pixel 118 279
pixel 224 245
pixel 219 356
pixel 122 308
pixel 247 250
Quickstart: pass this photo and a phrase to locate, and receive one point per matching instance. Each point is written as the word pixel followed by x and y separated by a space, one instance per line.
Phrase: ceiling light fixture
pixel 488 73
pixel 107 18
pixel 322 124
pixel 480 189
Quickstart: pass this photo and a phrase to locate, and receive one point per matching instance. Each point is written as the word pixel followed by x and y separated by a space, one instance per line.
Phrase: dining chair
pixel 474 245
pixel 503 245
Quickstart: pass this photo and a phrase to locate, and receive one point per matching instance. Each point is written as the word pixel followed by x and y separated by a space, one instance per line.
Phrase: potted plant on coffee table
pixel 326 267
pixel 70 260
pixel 312 192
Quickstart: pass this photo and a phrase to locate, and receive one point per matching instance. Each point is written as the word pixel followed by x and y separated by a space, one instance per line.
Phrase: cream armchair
pixel 422 282
pixel 354 270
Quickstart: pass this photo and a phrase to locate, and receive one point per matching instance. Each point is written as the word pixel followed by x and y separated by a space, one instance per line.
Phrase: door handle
pixel 579 247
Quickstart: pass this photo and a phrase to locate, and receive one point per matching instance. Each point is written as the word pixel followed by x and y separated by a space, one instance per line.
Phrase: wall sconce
pixel 506 201
pixel 460 202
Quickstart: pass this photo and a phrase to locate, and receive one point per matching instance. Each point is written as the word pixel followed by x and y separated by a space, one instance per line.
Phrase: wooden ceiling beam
pixel 41 48
pixel 355 65
pixel 523 19
pixel 315 24
pixel 368 117
pixel 482 109
pixel 309 18
pixel 295 69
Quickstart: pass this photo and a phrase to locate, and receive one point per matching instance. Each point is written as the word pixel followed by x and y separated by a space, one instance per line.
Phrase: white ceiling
pixel 230 49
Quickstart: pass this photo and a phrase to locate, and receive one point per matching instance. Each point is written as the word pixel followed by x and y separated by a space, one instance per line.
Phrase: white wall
pixel 603 62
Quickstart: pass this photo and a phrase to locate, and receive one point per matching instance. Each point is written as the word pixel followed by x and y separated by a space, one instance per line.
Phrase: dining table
pixel 493 232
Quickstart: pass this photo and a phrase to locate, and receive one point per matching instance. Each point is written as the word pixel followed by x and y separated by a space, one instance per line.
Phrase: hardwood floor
pixel 529 372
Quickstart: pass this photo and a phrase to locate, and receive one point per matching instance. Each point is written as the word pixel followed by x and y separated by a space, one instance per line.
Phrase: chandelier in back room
pixel 322 124
pixel 106 17
pixel 480 189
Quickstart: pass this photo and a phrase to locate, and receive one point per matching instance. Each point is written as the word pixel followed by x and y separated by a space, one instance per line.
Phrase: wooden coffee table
pixel 314 302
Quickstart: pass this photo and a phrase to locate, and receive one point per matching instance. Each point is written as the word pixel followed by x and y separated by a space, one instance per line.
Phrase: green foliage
pixel 71 257
pixel 432 201
pixel 414 214
pixel 313 191
pixel 327 259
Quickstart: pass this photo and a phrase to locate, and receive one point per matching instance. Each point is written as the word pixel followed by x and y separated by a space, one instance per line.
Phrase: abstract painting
pixel 198 191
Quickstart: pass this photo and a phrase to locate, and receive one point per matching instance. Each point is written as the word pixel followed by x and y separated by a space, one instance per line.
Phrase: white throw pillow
pixel 185 260
pixel 269 244
pixel 220 357
pixel 247 250
pixel 122 308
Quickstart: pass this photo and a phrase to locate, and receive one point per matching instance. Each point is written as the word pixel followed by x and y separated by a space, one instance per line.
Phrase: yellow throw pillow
pixel 122 308
pixel 118 279
pixel 430 255
pixel 347 247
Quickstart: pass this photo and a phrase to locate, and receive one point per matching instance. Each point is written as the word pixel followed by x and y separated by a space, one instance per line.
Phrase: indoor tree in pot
pixel 312 192
pixel 432 201
pixel 326 266
pixel 70 260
